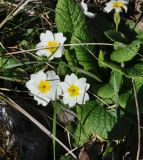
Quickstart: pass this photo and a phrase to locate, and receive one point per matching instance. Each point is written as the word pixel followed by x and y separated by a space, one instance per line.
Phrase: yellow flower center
pixel 118 5
pixel 74 90
pixel 53 45
pixel 44 86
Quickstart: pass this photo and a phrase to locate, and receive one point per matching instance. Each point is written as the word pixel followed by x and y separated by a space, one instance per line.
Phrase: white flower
pixel 118 5
pixel 49 39
pixel 85 8
pixel 74 90
pixel 43 86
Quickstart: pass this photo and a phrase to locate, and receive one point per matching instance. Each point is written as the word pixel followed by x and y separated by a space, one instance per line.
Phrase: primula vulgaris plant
pixel 98 84
pixel 72 90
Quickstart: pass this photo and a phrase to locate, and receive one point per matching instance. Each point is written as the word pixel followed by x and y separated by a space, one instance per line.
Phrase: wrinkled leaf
pixel 126 53
pixel 94 119
pixel 106 91
pixel 116 76
pixel 71 21
pixel 134 71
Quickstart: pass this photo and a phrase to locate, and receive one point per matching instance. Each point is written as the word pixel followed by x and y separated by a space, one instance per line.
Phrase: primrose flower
pixel 74 90
pixel 49 39
pixel 43 86
pixel 118 5
pixel 85 8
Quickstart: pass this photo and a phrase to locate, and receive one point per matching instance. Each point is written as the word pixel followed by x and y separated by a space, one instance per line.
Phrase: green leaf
pixel 113 66
pixel 118 45
pixel 7 62
pixel 93 119
pixel 71 21
pixel 124 99
pixel 128 95
pixel 115 36
pixel 116 76
pixel 106 91
pixel 140 36
pixel 133 26
pixel 116 82
pixel 70 57
pixel 66 158
pixel 101 59
pixel 127 53
pixel 134 71
pixel 12 79
pixel 129 102
pixel 62 70
pixel 79 70
pixel 138 82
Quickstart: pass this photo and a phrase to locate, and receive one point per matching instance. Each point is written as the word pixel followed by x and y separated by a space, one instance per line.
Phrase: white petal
pixel 71 101
pixel 32 87
pixel 38 76
pixel 45 37
pixel 82 84
pixel 82 98
pixel 51 94
pixel 54 91
pixel 59 52
pixel 108 9
pixel 73 78
pixel 112 1
pixel 81 81
pixel 54 81
pixel 51 75
pixel 41 100
pixel 50 56
pixel 58 91
pixel 60 38
pixel 89 14
pixel 68 79
pixel 33 83
pixel 84 6
pixel 64 86
pixel 40 52
pixel 87 86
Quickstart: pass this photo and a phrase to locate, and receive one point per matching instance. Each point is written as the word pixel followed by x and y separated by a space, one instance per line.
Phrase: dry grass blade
pixel 64 45
pixel 138 121
pixel 19 7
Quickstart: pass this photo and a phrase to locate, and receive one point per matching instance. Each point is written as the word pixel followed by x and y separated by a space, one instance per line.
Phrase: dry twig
pixel 138 121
